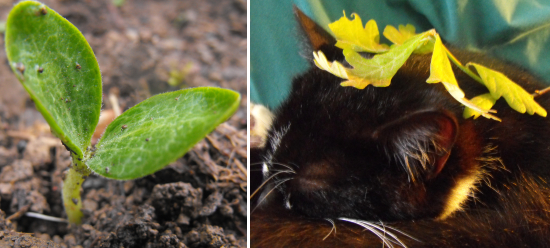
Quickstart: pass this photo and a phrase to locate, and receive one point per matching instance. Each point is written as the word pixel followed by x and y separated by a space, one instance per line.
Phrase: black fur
pixel 355 154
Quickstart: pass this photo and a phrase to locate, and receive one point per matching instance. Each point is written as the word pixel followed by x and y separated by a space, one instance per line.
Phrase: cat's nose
pixel 304 184
pixel 313 177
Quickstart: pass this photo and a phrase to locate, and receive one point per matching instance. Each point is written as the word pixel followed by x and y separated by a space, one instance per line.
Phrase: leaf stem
pixel 541 92
pixel 462 67
pixel 76 175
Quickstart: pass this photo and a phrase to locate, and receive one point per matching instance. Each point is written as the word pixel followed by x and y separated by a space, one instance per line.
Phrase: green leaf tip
pixel 159 130
pixel 42 48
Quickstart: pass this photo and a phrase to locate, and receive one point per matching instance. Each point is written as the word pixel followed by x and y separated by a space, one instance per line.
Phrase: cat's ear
pixel 316 37
pixel 421 142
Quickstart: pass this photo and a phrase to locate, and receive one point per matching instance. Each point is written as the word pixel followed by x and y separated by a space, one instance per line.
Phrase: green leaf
pixel 485 102
pixel 404 33
pixel 500 85
pixel 442 72
pixel 379 70
pixel 57 67
pixel 350 34
pixel 159 130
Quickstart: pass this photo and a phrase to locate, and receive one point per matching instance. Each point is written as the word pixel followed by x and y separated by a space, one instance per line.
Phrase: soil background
pixel 144 47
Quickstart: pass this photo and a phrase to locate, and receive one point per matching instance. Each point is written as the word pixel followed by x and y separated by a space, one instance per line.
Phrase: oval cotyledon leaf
pixel 159 130
pixel 57 67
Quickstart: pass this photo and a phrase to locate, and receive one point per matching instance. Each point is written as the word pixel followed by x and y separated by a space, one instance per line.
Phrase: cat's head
pixel 391 153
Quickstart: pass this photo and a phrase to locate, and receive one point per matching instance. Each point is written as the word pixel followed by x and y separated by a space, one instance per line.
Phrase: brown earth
pixel 197 201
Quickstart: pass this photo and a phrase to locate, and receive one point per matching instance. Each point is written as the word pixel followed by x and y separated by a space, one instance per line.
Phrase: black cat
pixel 399 165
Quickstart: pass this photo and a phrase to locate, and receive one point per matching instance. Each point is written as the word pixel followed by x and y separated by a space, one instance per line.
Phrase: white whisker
pixel 383 229
pixel 385 241
pixel 267 180
pixel 257 163
pixel 400 232
pixel 333 228
pixel 289 171
pixel 380 231
pixel 273 163
pixel 263 199
pixel 285 165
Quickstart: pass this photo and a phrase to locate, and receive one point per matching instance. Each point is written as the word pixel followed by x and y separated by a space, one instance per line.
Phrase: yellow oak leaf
pixel 350 34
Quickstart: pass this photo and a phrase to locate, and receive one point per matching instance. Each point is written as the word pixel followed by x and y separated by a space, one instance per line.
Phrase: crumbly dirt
pixel 144 47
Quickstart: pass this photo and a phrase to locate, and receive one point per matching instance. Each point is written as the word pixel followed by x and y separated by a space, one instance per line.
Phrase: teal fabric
pixel 513 30
pixel 274 49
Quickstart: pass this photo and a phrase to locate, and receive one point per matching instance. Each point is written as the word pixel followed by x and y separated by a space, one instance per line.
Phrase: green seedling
pixel 178 75
pixel 57 67
pixel 118 3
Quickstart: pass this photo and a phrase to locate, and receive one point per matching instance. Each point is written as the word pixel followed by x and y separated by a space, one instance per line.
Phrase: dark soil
pixel 197 201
